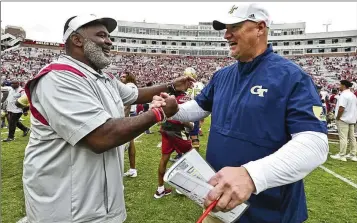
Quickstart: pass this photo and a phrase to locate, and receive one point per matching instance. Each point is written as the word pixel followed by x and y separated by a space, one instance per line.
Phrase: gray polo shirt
pixel 64 181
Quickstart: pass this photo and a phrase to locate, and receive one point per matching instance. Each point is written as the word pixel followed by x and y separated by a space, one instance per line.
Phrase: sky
pixel 44 21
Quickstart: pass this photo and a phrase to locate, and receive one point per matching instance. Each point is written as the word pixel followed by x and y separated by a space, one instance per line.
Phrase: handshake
pixel 167 102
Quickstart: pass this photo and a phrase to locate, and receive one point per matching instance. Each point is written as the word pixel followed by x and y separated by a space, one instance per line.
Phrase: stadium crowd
pixel 23 63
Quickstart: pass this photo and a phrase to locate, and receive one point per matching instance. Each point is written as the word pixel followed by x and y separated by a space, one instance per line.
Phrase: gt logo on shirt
pixel 259 90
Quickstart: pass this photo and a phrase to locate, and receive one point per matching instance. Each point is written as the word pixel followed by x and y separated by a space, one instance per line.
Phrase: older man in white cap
pixel 268 128
pixel 73 161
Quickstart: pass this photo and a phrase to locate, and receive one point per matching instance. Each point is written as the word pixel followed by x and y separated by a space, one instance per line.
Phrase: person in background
pixel 15 112
pixel 147 107
pixel 4 115
pixel 130 111
pixel 346 117
pixel 174 137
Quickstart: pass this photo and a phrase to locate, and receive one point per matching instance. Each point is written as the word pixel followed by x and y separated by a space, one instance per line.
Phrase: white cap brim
pixel 228 20
pixel 80 21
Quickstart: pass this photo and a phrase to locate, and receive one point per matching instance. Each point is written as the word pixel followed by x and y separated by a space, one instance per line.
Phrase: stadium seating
pixel 22 63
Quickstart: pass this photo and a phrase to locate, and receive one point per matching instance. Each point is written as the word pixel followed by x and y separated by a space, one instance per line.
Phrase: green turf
pixel 329 199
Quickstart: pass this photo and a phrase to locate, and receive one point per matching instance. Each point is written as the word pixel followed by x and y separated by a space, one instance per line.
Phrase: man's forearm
pixel 189 112
pixel 118 131
pixel 146 94
pixel 296 159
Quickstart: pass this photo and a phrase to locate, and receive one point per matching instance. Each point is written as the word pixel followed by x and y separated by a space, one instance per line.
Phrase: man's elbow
pixel 96 146
pixel 323 150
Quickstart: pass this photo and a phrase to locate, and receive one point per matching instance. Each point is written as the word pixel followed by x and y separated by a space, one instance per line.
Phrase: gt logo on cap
pixel 259 90
pixel 234 7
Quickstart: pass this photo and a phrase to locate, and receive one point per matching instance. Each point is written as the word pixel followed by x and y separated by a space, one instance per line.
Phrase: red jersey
pixel 173 127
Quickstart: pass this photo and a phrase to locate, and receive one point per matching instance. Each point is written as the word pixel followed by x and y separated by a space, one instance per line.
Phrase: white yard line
pixel 339 176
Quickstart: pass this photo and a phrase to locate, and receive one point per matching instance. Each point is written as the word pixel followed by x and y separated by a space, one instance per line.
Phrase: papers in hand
pixel 190 175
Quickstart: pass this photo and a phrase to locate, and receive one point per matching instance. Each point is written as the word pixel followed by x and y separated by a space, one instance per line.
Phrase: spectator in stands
pixel 15 112
pixel 130 111
pixel 346 117
pixel 268 128
pixel 73 161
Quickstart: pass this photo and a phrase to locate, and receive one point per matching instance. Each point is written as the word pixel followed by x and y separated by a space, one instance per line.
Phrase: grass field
pixel 330 200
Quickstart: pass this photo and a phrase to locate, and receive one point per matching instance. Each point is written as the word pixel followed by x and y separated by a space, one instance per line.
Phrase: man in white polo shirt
pixel 15 112
pixel 73 161
pixel 346 117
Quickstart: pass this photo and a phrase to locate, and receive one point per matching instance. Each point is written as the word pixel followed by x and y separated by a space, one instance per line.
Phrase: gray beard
pixel 95 54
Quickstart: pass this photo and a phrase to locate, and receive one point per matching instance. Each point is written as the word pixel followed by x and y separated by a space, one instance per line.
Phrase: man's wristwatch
pixel 171 88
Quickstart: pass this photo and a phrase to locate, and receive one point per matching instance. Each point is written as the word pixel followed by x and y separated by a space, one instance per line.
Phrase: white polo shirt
pixel 349 101
pixel 64 181
pixel 14 94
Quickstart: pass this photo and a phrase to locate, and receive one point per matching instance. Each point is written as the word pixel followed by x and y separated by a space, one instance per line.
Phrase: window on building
pixel 309 51
pixel 348 40
pixel 334 40
pixel 321 41
pixel 286 43
pixel 310 42
pixel 334 50
pixel 297 43
pixel 348 49
pixel 321 50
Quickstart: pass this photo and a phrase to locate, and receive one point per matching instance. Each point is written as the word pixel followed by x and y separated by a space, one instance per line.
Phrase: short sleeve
pixel 205 98
pixel 128 93
pixel 304 107
pixel 71 107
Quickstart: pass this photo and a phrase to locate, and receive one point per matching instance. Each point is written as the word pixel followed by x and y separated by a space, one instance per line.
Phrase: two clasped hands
pixel 232 185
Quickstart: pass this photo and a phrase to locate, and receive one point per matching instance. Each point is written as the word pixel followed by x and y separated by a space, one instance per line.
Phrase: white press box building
pixel 288 39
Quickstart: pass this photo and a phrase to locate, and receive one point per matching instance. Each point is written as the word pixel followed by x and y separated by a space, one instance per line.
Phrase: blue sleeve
pixel 304 108
pixel 205 98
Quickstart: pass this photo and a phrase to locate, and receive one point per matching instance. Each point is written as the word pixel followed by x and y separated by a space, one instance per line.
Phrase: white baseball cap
pixel 76 22
pixel 252 12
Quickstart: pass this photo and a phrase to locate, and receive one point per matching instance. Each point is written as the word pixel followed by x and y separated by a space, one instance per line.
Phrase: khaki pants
pixel 346 132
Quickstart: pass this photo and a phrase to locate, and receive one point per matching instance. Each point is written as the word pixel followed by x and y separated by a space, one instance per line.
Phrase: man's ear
pixel 77 40
pixel 262 28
